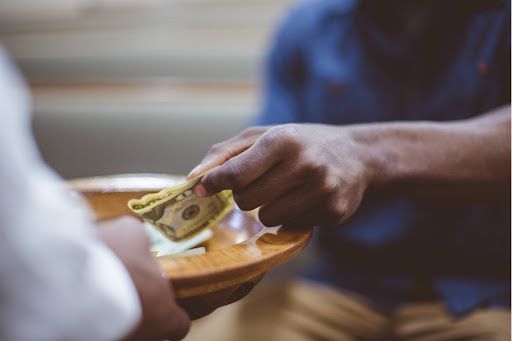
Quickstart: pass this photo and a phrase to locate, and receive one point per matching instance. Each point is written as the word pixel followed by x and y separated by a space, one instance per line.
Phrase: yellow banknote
pixel 178 213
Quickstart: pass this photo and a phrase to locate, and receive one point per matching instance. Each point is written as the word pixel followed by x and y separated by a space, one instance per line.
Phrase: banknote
pixel 178 213
pixel 163 246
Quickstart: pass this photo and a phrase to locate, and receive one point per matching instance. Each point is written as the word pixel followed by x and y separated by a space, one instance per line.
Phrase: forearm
pixel 460 157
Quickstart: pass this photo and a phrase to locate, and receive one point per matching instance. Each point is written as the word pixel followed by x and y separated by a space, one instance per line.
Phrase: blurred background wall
pixel 125 86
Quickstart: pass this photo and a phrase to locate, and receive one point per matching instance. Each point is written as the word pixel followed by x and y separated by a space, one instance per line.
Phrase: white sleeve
pixel 58 281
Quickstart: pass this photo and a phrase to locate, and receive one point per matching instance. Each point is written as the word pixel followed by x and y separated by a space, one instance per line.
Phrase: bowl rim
pixel 190 274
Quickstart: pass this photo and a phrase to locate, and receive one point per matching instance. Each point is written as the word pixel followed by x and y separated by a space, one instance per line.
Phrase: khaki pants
pixel 306 311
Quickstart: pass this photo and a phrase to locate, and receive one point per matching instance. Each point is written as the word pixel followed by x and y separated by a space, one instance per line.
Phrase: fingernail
pixel 195 169
pixel 200 190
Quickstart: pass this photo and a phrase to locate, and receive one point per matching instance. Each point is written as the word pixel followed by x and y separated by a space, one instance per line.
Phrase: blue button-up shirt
pixel 330 63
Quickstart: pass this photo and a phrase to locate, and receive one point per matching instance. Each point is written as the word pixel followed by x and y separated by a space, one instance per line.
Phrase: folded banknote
pixel 178 213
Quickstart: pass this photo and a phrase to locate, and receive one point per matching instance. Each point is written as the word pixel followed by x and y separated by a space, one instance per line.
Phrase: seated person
pixel 409 154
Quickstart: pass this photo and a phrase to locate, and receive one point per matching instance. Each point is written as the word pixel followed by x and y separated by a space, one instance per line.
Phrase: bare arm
pixel 467 158
pixel 311 174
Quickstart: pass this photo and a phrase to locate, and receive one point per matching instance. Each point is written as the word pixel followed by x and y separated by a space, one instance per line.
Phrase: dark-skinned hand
pixel 299 174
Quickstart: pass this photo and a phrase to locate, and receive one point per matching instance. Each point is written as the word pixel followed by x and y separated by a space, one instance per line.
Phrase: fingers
pixel 267 188
pixel 217 155
pixel 311 218
pixel 221 152
pixel 239 171
pixel 290 206
pixel 179 323
pixel 129 241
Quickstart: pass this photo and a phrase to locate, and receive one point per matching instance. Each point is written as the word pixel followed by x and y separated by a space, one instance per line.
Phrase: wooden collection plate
pixel 240 252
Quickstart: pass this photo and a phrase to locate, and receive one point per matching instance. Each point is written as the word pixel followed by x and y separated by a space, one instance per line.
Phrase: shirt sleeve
pixel 58 281
pixel 284 73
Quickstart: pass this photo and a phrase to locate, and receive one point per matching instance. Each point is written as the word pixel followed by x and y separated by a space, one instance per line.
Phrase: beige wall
pixel 82 135
pixel 139 86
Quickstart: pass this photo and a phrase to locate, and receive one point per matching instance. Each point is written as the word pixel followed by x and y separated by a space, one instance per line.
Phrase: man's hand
pixel 162 318
pixel 221 152
pixel 312 174
pixel 302 174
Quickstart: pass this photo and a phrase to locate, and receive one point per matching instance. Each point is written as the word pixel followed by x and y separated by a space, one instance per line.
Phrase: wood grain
pixel 239 254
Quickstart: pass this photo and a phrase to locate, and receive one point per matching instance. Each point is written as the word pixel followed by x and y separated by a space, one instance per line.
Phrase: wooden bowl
pixel 240 252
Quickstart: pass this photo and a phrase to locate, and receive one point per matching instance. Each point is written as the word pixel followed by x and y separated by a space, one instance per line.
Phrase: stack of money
pixel 178 213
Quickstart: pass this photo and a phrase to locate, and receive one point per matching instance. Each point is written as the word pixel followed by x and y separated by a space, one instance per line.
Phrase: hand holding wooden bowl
pixel 240 252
